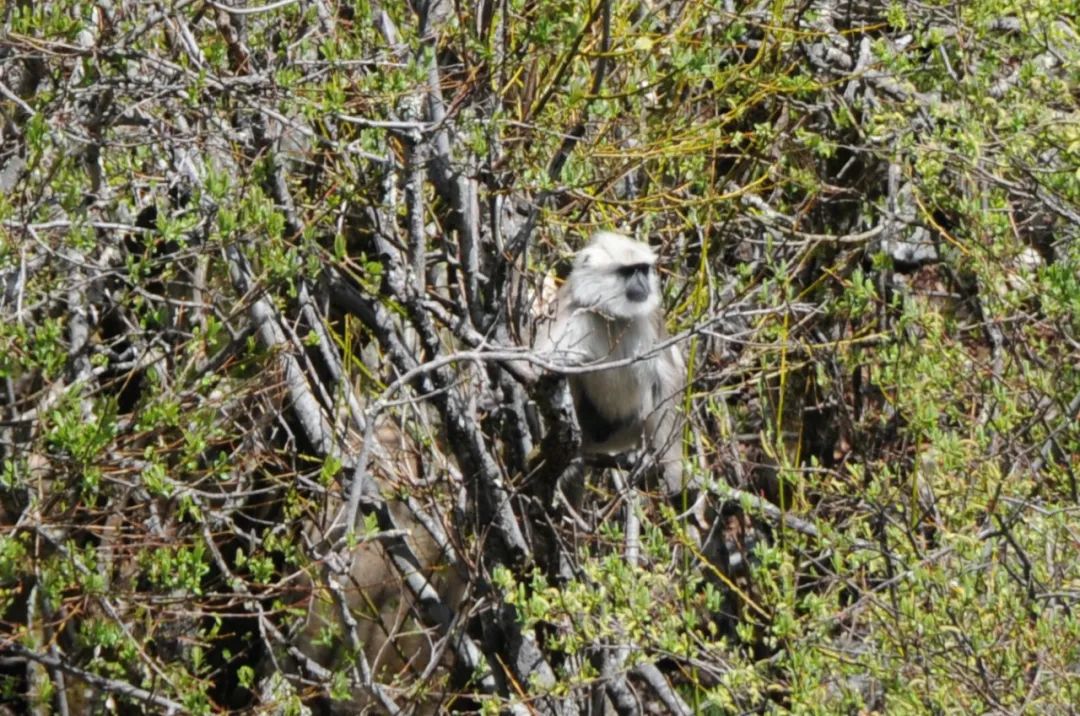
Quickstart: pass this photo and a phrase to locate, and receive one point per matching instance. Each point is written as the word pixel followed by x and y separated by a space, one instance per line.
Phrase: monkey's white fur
pixel 595 283
pixel 601 316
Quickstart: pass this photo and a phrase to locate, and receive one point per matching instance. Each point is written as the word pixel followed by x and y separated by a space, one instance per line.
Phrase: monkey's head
pixel 616 275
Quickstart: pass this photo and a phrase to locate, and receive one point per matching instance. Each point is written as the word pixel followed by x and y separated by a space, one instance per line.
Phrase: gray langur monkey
pixel 609 309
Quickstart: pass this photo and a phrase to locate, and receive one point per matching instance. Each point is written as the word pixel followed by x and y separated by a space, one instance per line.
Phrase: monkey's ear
pixel 563 267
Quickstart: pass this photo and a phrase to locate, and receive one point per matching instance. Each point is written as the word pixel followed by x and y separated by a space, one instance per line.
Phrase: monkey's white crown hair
pixel 597 283
pixel 607 247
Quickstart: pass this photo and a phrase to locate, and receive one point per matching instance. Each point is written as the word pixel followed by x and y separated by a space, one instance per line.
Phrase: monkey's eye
pixel 635 269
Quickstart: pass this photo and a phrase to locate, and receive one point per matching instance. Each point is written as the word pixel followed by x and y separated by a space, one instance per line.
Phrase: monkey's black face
pixel 637 279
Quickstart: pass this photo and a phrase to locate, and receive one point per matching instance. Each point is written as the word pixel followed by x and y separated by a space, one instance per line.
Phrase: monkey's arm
pixel 664 424
pixel 566 339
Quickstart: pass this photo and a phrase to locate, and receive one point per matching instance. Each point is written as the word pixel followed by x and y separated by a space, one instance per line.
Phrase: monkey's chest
pixel 620 394
pixel 611 408
pixel 613 404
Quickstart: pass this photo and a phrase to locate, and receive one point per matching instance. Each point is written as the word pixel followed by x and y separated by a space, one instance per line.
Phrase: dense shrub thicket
pixel 264 266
